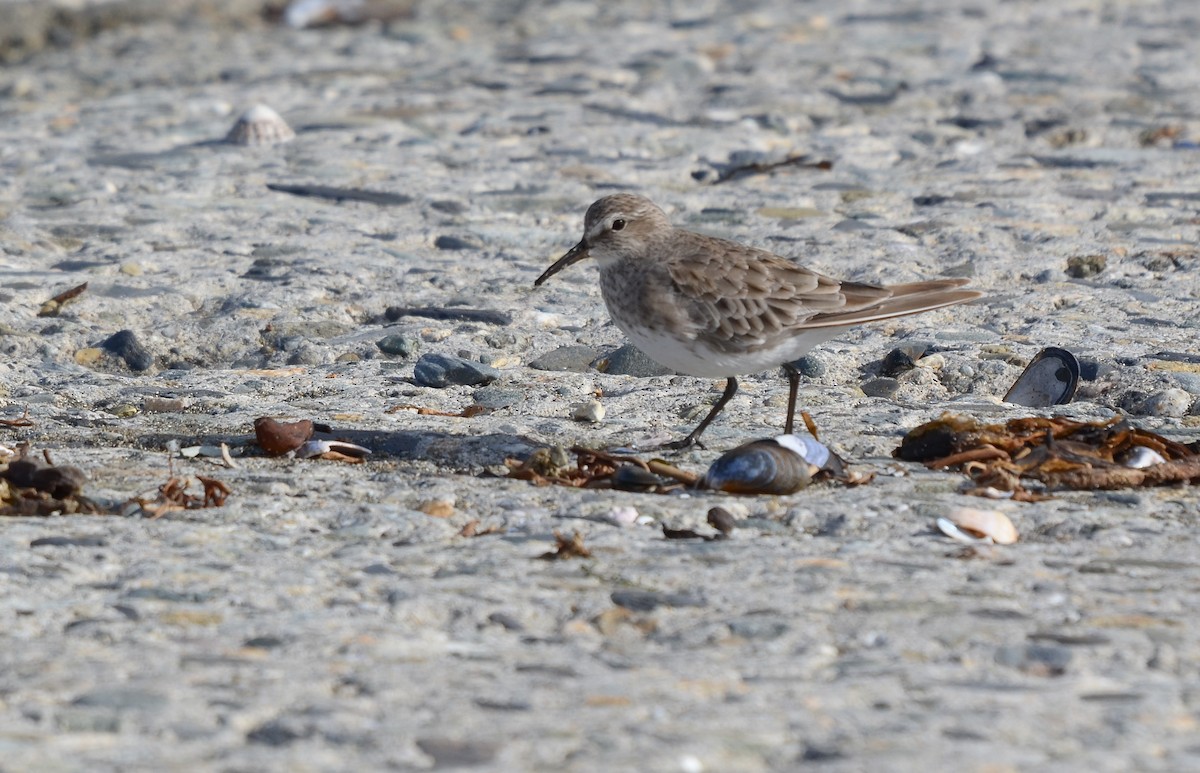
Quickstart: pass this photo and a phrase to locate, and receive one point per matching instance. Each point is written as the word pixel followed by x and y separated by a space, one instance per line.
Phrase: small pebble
pixel 443 370
pixel 398 345
pixel 591 411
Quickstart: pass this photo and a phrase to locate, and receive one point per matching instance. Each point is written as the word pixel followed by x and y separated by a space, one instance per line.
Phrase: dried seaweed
pixel 1057 453
pixel 37 487
pixel 598 469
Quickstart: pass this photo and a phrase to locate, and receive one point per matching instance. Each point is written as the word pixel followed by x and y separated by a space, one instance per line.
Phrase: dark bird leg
pixel 694 438
pixel 793 377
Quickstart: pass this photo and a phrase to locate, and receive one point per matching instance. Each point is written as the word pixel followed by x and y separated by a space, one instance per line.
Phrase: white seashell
pixel 955 533
pixel 622 515
pixel 313 13
pixel 1141 457
pixel 260 125
pixel 191 452
pixel 312 448
pixel 991 524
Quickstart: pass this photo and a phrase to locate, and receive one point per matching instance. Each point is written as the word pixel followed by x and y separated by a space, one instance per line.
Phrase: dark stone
pixel 453 313
pixel 275 733
pixel 647 600
pixel 124 344
pixel 398 345
pixel 630 361
pixel 69 542
pixel 576 358
pixel 902 359
pixel 449 207
pixel 443 370
pixel 264 642
pixel 455 243
pixel 763 628
pixel 122 698
pixel 1035 659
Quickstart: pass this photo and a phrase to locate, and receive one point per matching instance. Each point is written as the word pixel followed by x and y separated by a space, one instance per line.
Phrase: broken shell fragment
pixel 780 465
pixel 260 125
pixel 1050 379
pixel 1141 457
pixel 312 448
pixel 991 525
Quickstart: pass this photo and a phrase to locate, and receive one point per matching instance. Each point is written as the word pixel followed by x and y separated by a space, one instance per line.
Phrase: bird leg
pixel 693 439
pixel 793 377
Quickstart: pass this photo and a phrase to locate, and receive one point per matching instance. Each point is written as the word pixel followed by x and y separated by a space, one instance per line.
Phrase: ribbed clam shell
pixel 760 467
pixel 260 125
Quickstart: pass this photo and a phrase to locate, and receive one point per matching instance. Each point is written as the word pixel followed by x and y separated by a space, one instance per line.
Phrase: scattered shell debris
pixel 1050 379
pixel 1050 453
pixel 301 14
pixel 260 125
pixel 988 526
pixel 781 465
pixel 295 438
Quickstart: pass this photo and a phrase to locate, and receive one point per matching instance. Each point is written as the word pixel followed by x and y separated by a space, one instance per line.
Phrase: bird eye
pixel 618 225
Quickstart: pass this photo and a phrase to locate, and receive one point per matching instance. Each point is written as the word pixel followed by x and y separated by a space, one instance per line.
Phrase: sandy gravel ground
pixel 332 617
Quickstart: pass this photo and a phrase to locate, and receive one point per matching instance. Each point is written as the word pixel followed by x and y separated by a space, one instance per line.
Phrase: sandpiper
pixel 714 308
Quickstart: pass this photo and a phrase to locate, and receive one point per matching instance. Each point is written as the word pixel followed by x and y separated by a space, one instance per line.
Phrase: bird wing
pixel 744 298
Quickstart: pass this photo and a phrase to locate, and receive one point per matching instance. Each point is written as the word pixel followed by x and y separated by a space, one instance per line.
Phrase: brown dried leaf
pixel 567 547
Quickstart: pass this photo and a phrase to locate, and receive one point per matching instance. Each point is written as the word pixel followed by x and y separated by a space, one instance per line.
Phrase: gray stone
pixel 497 397
pixel 399 345
pixel 881 387
pixel 630 361
pixel 1172 402
pixel 577 358
pixel 443 370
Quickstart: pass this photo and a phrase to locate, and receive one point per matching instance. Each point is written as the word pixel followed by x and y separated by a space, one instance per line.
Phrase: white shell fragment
pixel 1141 457
pixel 260 125
pixel 957 534
pixel 809 448
pixel 988 525
pixel 312 448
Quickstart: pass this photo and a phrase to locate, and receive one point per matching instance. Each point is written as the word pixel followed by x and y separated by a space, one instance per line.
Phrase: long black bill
pixel 574 255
